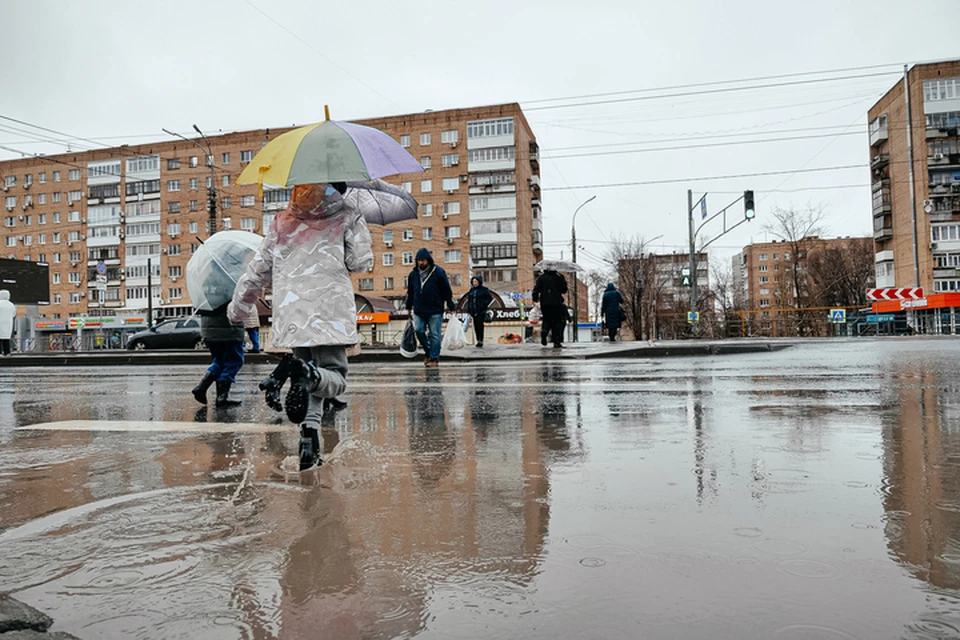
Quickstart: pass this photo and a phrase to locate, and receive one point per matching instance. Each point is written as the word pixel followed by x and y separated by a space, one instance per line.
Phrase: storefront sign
pixel 379 317
pixel 913 304
pixel 50 325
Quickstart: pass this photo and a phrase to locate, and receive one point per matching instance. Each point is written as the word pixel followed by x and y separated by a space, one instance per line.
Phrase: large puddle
pixel 809 493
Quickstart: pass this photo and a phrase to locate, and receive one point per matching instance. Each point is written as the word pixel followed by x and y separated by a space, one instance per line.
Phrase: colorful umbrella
pixel 330 151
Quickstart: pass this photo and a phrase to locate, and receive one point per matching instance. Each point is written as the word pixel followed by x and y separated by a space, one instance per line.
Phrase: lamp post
pixel 212 191
pixel 573 242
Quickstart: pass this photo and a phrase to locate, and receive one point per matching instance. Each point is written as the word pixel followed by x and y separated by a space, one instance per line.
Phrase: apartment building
pixel 117 226
pixel 917 239
pixel 660 286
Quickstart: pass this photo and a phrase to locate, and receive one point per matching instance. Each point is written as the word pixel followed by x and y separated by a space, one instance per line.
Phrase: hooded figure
pixel 428 290
pixel 610 310
pixel 8 311
pixel 308 253
pixel 478 300
pixel 548 292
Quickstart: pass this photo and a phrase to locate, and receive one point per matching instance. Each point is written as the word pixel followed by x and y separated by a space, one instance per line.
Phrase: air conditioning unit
pixel 5 188
pixel 370 269
pixel 451 191
pixel 454 163
pixel 122 278
pixel 938 156
pixel 76 284
pixel 23 207
pixel 163 251
pixel 389 244
pixel 9 208
pixel 83 237
pixel 174 278
pixel 26 185
pixel 449 240
pixel 933 246
pixel 20 218
pixel 453 144
pixel 83 221
pixel 120 235
pixel 464 178
pixel 69 243
pixel 446 215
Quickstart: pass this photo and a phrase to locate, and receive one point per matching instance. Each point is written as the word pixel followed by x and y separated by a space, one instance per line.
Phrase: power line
pixel 684 94
pixel 705 178
pixel 719 82
pixel 59 133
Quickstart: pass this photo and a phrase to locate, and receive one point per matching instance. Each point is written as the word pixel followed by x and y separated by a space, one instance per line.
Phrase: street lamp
pixel 212 191
pixel 573 242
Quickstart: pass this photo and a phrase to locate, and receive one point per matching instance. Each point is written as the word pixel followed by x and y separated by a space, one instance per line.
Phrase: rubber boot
pixel 200 391
pixel 223 394
pixel 303 379
pixel 272 384
pixel 309 448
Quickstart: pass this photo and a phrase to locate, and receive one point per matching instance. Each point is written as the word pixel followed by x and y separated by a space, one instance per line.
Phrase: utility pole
pixel 913 195
pixel 212 190
pixel 149 293
pixel 693 256
pixel 573 243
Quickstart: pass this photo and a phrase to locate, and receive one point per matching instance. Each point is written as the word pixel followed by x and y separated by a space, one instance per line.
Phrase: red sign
pixel 893 293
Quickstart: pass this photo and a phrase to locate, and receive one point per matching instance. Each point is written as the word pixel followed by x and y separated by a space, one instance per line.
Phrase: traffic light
pixel 748 210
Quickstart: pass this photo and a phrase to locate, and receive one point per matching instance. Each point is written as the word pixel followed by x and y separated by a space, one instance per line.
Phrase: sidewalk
pixel 490 352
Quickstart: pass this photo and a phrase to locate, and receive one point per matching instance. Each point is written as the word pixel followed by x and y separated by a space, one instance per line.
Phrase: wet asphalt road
pixel 807 493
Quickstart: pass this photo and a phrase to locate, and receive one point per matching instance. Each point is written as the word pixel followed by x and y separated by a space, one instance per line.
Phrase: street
pixel 804 493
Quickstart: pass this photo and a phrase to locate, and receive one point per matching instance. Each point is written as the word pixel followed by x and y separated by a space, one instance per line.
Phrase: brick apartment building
pixel 917 241
pixel 656 290
pixel 131 206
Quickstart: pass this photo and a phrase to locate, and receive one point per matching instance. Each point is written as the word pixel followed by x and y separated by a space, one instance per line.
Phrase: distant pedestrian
pixel 548 292
pixel 225 342
pixel 252 324
pixel 428 289
pixel 8 311
pixel 478 301
pixel 611 310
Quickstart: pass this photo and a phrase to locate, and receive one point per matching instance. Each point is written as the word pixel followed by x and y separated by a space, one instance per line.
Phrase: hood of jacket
pixel 4 294
pixel 611 287
pixel 479 280
pixel 424 254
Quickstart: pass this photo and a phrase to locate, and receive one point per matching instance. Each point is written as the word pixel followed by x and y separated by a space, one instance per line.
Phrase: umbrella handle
pixel 262 169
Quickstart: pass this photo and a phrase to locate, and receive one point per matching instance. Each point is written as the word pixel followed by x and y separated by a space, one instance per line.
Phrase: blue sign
pixel 703 207
pixel 880 317
pixel 838 316
pixel 101 268
pixel 693 317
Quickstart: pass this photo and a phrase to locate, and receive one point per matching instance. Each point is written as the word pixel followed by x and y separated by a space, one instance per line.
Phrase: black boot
pixel 303 378
pixel 200 391
pixel 223 394
pixel 272 384
pixel 309 448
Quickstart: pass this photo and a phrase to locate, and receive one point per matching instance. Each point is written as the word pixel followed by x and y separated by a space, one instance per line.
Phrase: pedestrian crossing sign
pixel 693 317
pixel 838 316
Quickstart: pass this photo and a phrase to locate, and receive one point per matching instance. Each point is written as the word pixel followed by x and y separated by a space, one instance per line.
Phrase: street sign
pixel 838 316
pixel 880 317
pixel 895 293
pixel 686 281
pixel 102 279
pixel 693 317
pixel 101 268
pixel 703 207
pixel 101 286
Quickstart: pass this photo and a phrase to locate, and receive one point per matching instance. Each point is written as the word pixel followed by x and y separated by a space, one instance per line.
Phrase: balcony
pixel 534 155
pixel 883 208
pixel 878 131
pixel 946 272
pixel 881 185
pixel 535 183
pixel 879 161
pixel 882 229
pixel 941 216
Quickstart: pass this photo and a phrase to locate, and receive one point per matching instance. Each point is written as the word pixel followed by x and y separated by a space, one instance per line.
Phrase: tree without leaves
pixel 635 278
pixel 840 276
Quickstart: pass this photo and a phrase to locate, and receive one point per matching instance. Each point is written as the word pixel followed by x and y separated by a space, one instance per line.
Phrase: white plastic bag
pixel 454 337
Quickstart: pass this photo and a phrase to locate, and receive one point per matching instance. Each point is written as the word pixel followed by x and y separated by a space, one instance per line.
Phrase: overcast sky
pixel 117 71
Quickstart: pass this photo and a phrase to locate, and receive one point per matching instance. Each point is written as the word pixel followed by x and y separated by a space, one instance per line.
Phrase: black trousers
pixel 554 323
pixel 478 326
pixel 5 346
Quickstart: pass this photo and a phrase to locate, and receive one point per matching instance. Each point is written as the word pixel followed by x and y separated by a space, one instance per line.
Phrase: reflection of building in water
pixel 921 461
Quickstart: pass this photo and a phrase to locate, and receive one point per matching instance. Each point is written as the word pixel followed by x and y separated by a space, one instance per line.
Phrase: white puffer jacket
pixel 8 311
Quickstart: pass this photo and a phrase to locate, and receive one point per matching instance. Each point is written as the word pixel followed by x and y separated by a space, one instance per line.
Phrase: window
pixel 56 276
pixel 175 293
pixel 407 235
pixel 388 259
pixel 73 277
pixel 56 298
pixel 145 186
pixel 427 209
pixel 764 302
pixel 10 221
pixel 225 158
pixel 27 241
pixel 451 255
pixel 764 279
pixel 42 178
pixel 173 207
pixel 451 159
pixel 451 184
pixel 56 239
pixel 173 164
pixel 75 298
pixel 764 292
pixel 762 268
pixel 388 283
pixel 388 236
pixel 41 257
pixel 10 181
pixel 173 250
pixel 425 162
pixel 404 141
pixel 407 186
pixel 493 251
pixel 246 156
pixel 451 208
pixel 73 196
pixel 424 139
pixel 762 256
pixel 194 162
pixel 248 201
pixel 27 179
pixel 56 258
pixel 492 154
pixel 173 185
pixel 143 229
pixel 225 182
pixel 194 227
pixel 426 186
pixel 11 241
pixel 42 239
pixel 428 233
pixel 366 284
pixel 74 174
pixel 451 136
pixel 227 224
pixel 173 229
pixel 42 218
pixel 406 258
pixel 194 205
pixel 73 216
pixel 455 279
pixel 55 197
pixel 28 220
pixel 495 127
pixel 451 232
pixel 42 198
pixel 56 176
pixel 227 203
pixel 142 164
pixel 175 272
pixel 193 184
pixel 776 256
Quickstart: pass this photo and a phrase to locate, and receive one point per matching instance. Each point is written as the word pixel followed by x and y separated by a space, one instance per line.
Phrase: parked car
pixel 182 333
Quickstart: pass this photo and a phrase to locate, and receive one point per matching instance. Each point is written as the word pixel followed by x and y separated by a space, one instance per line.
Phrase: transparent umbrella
pixel 216 267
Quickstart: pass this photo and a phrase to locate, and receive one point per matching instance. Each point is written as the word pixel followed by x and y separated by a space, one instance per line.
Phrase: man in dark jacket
pixel 610 310
pixel 428 289
pixel 548 292
pixel 478 299
pixel 225 342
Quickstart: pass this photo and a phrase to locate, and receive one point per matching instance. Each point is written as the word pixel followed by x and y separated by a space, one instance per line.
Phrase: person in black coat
pixel 611 311
pixel 478 300
pixel 428 290
pixel 548 292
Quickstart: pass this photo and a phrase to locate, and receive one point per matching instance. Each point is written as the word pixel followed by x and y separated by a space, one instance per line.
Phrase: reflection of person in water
pixel 552 423
pixel 432 446
pixel 483 402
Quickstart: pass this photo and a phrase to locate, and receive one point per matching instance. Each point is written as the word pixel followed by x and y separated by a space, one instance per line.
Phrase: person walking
pixel 611 310
pixel 224 340
pixel 308 254
pixel 8 311
pixel 478 300
pixel 427 290
pixel 548 292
